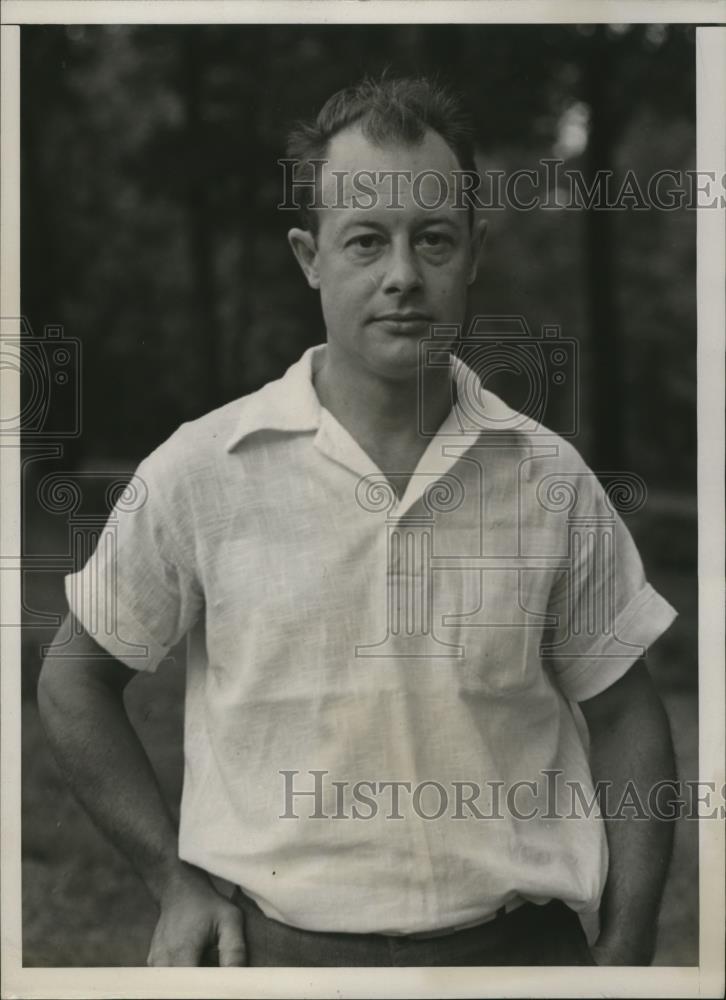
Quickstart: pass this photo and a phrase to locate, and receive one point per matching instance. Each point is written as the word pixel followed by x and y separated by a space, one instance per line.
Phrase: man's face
pixel 387 274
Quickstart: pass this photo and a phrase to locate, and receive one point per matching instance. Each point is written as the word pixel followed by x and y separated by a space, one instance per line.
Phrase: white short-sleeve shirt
pixel 381 725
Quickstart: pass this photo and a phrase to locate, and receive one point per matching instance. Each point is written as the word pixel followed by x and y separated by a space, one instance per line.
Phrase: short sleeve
pixel 606 612
pixel 139 594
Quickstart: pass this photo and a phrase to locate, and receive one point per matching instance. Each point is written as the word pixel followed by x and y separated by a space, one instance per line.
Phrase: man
pixel 385 597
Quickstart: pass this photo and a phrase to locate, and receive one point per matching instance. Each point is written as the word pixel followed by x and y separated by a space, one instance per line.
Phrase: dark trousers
pixel 530 935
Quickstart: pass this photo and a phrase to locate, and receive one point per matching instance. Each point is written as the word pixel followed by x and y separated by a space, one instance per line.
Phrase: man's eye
pixel 434 241
pixel 366 241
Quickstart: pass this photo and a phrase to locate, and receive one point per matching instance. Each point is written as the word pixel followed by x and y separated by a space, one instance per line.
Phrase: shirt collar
pixel 291 404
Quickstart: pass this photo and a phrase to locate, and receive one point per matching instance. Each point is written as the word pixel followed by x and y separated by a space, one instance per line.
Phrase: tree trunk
pixel 199 231
pixel 609 452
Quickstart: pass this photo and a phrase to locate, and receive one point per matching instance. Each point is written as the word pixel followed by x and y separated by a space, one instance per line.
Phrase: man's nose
pixel 403 273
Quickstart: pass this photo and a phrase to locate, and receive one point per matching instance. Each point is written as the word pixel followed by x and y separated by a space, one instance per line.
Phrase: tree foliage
pixel 150 227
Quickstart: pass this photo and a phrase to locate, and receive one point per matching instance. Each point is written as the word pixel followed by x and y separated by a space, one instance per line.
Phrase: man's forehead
pixel 351 150
pixel 414 176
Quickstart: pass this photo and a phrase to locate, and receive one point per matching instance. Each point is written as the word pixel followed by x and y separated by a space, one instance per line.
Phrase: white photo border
pixel 705 980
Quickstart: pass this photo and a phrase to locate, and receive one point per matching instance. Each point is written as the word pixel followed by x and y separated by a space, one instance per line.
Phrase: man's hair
pixel 388 110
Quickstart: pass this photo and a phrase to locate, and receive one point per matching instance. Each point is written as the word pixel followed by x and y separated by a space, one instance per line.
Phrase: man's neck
pixel 383 414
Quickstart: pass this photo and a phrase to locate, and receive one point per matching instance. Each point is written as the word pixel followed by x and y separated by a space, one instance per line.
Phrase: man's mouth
pixel 404 320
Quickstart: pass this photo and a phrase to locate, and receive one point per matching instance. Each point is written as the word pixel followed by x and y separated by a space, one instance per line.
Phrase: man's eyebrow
pixel 362 219
pixel 439 220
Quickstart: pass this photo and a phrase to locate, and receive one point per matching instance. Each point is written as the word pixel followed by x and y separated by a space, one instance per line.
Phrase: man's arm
pixel 631 749
pixel 80 698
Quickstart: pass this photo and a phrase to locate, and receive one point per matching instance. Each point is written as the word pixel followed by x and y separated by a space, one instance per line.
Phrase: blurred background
pixel 150 235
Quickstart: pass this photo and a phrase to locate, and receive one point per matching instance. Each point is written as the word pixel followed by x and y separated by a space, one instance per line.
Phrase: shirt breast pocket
pixel 497 617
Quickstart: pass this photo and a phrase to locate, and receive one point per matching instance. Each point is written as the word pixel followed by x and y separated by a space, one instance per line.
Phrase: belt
pixel 499 914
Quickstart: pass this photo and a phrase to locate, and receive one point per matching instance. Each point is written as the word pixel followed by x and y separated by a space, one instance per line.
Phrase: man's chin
pixel 397 358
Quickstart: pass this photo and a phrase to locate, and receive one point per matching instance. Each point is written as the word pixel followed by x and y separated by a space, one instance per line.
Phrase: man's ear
pixel 478 236
pixel 305 248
